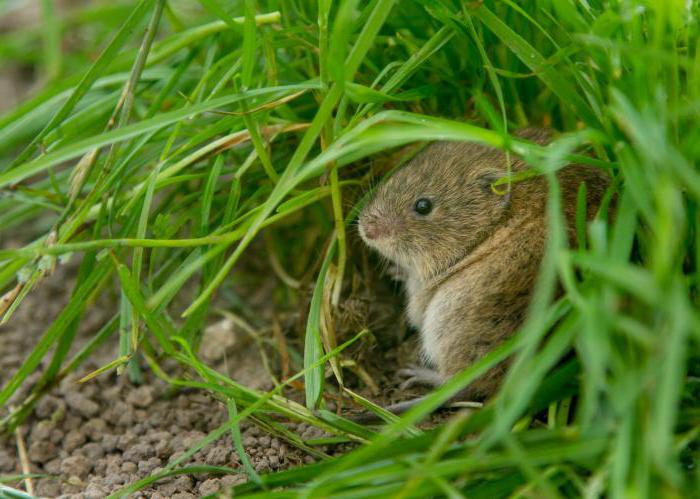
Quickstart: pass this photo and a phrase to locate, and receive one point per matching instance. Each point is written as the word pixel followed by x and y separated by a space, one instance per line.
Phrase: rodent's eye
pixel 423 206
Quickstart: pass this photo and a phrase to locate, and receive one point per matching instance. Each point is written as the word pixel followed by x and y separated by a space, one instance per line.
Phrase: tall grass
pixel 198 125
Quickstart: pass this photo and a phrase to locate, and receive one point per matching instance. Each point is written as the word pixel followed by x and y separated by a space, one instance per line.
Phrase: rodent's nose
pixel 373 230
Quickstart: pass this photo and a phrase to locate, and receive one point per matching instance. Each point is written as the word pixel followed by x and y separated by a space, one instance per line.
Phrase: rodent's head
pixel 437 208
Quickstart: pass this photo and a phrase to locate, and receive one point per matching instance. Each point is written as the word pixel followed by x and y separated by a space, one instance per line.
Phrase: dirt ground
pixel 92 438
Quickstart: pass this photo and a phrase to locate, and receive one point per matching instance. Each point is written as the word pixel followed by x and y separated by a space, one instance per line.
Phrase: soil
pixel 92 438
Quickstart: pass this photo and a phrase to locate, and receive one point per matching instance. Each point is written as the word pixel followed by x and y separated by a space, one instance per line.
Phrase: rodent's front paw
pixel 420 376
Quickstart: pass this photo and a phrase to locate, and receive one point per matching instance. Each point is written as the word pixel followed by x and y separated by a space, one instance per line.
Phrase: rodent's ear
pixel 486 181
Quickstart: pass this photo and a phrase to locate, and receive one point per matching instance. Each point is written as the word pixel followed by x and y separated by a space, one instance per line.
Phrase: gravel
pixel 95 437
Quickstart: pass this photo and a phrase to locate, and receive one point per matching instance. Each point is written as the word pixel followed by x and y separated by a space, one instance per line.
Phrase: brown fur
pixel 470 265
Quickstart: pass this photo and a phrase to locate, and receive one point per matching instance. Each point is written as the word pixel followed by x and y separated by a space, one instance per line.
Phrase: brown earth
pixel 93 438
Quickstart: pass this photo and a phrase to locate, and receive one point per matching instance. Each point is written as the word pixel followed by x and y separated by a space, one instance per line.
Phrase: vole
pixel 468 254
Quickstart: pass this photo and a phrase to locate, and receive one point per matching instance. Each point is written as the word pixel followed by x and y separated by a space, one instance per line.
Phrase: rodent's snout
pixel 372 231
pixel 372 228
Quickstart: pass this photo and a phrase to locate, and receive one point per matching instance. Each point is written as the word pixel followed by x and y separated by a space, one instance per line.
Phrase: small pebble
pixel 48 406
pixel 115 479
pixel 56 436
pixel 109 442
pixel 184 495
pixel 140 397
pixel 228 481
pixel 71 422
pixel 139 452
pixel 209 486
pixel 76 465
pixel 95 429
pixel 217 456
pixel 82 404
pixel 73 440
pixel 129 467
pixel 163 448
pixel 42 451
pixel 93 451
pixel 53 466
pixel 48 487
pixel 126 440
pixel 7 462
pixel 95 491
pixel 147 466
pixel 42 430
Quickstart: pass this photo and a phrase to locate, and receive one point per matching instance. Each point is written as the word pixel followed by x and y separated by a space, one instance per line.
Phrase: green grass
pixel 232 112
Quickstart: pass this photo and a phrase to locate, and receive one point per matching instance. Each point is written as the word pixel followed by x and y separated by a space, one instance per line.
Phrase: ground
pixel 94 437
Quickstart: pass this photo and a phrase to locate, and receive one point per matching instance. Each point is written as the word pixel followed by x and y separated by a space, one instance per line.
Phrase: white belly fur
pixel 430 332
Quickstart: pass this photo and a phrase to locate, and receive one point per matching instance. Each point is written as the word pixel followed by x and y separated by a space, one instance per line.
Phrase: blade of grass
pixel 97 68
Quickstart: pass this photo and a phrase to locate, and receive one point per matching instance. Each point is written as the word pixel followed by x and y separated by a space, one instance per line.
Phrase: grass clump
pixel 199 129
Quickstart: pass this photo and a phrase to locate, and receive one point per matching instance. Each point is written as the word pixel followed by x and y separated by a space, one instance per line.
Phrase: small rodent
pixel 469 256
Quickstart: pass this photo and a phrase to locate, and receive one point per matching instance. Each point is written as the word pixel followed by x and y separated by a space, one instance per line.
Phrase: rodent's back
pixel 529 198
